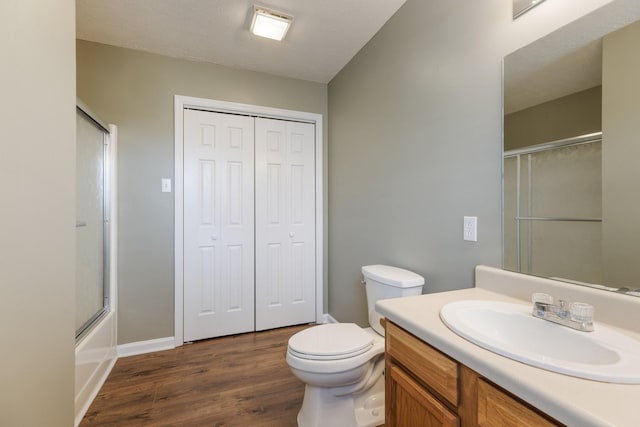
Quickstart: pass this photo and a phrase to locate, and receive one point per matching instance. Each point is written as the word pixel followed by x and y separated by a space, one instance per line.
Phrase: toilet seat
pixel 339 352
pixel 331 341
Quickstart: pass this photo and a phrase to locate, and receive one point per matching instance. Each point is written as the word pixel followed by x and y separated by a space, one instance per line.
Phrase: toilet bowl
pixel 342 364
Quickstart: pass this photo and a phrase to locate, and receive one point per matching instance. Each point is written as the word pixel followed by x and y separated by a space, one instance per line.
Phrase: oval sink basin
pixel 510 330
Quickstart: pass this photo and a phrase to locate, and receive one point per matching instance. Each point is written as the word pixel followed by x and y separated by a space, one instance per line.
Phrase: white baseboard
pixel 327 318
pixel 168 343
pixel 143 347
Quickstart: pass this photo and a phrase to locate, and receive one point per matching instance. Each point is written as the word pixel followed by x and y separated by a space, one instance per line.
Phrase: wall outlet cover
pixel 470 228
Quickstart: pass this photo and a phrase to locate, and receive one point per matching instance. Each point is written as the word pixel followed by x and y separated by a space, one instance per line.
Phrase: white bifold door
pixel 285 223
pixel 218 224
pixel 249 224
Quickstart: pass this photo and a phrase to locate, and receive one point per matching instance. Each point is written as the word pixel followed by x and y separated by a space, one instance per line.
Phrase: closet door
pixel 218 224
pixel 285 223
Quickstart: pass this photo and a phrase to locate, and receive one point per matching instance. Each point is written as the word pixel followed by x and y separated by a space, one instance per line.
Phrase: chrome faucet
pixel 576 315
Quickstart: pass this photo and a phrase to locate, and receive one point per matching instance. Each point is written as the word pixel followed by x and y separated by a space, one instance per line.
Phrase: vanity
pixel 425 384
pixel 430 394
pixel 436 377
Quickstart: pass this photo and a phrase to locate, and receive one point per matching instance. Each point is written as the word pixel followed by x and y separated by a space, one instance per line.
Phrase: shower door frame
pixel 518 153
pixel 107 165
pixel 96 350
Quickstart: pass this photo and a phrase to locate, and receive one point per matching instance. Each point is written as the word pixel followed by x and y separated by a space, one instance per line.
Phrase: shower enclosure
pixel 92 222
pixel 96 258
pixel 553 205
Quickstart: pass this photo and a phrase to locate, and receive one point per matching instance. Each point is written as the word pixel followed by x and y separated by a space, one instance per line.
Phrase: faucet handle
pixel 541 297
pixel 581 312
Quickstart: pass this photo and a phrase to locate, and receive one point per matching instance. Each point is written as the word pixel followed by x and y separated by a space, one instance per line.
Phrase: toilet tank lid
pixel 392 276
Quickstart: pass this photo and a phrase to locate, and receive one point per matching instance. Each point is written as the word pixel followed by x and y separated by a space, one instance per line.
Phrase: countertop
pixel 572 401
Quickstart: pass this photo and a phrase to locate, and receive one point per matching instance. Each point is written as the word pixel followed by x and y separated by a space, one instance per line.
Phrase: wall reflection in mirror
pixel 572 152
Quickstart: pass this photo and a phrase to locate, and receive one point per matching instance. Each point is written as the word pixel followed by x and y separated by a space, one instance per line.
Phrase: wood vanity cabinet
pixel 426 388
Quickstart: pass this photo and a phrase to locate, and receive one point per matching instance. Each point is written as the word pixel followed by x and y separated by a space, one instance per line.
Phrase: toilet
pixel 342 364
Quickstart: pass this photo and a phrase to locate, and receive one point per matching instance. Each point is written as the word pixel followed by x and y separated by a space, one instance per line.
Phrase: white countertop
pixel 572 401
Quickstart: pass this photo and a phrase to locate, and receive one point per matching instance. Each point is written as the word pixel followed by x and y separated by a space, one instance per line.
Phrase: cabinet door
pixel 410 405
pixel 498 409
pixel 426 363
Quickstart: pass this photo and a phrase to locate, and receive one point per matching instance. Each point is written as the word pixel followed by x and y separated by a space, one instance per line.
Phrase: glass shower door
pixel 91 224
pixel 553 205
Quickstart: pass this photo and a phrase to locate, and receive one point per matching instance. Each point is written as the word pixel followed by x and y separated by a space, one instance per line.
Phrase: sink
pixel 510 330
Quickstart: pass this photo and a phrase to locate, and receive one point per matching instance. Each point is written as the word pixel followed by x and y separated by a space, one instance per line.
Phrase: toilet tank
pixel 384 282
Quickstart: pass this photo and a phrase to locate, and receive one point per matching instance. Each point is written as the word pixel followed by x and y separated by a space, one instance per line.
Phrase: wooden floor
pixel 242 380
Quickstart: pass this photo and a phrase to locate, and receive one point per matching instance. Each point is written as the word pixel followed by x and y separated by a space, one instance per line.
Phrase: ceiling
pixel 325 34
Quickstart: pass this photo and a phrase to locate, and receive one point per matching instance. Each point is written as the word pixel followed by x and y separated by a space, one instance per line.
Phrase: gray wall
pixel 620 154
pixel 415 143
pixel 135 90
pixel 573 115
pixel 37 214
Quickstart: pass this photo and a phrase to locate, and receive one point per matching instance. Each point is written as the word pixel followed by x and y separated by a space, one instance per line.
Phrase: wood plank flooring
pixel 241 380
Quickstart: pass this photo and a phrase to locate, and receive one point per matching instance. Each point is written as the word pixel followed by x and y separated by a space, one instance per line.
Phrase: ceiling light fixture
pixel 270 24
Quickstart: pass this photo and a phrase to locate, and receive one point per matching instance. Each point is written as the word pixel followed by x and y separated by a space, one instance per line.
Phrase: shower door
pixel 553 205
pixel 92 223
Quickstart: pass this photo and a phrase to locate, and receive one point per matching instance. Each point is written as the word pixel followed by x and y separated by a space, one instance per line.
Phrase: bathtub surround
pixel 96 351
pixel 95 357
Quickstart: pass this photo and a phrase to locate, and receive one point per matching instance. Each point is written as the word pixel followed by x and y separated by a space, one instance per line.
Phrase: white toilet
pixel 342 364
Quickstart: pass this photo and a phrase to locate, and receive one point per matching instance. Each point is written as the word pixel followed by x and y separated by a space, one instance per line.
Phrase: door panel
pixel 92 287
pixel 218 224
pixel 285 223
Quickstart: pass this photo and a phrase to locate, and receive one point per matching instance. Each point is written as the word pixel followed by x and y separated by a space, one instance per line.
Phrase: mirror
pixel 520 7
pixel 571 147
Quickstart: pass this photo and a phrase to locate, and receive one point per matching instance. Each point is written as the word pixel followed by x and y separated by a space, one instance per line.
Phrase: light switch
pixel 470 228
pixel 166 185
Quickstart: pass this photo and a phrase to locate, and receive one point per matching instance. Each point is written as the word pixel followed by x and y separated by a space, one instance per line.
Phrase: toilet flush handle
pixel 291 234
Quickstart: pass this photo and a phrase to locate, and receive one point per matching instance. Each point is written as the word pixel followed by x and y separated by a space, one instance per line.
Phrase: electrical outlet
pixel 470 228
